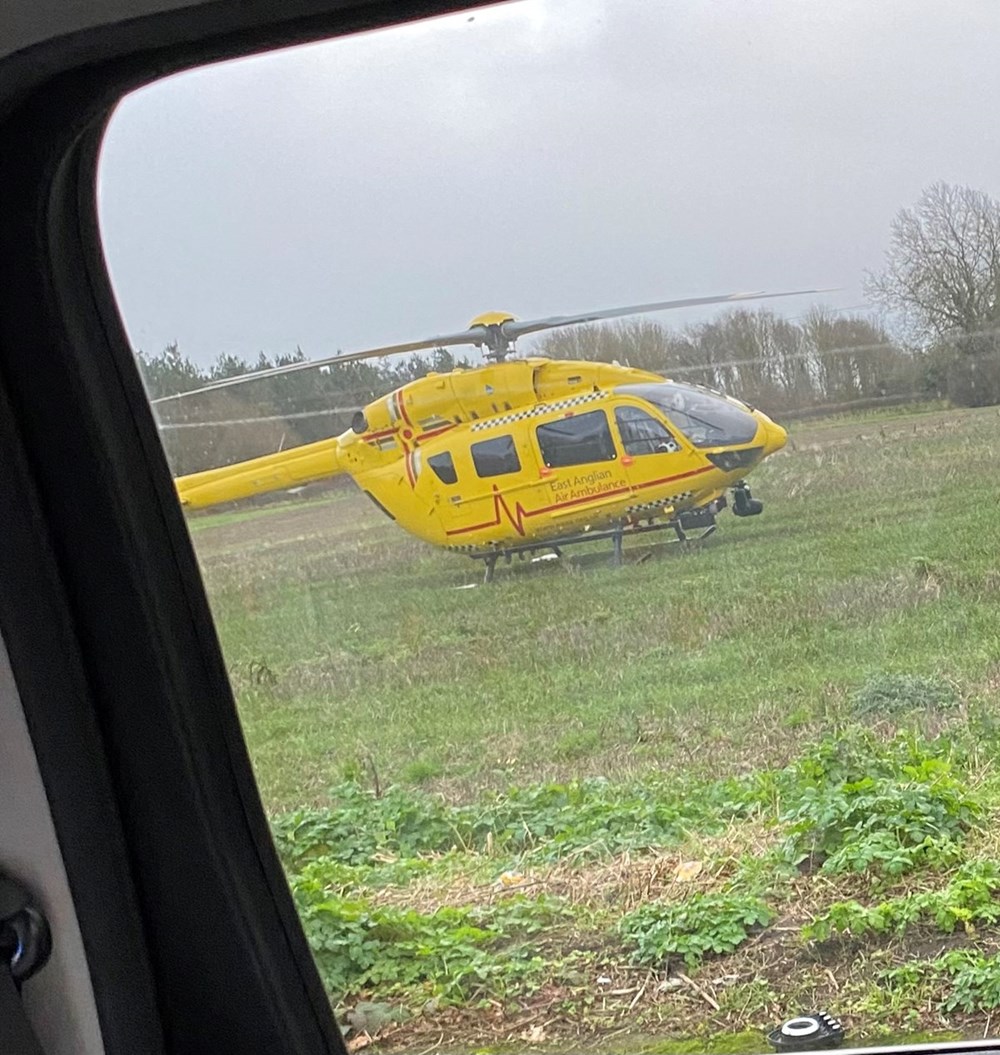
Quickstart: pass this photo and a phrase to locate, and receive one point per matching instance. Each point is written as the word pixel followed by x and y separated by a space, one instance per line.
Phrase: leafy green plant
pixel 975 981
pixel 852 803
pixel 358 946
pixel 856 752
pixel 582 818
pixel 354 879
pixel 970 979
pixel 693 928
pixel 887 809
pixel 968 900
pixel 592 817
pixel 359 824
pixel 446 954
pixel 524 916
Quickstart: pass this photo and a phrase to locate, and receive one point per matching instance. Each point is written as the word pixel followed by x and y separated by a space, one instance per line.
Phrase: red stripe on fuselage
pixel 679 476
pixel 369 436
pixel 520 513
pixel 401 407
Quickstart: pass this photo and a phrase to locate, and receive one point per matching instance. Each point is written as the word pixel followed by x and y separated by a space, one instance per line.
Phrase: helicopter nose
pixel 775 437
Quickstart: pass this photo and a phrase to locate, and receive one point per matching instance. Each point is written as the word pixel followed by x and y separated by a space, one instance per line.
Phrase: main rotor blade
pixel 475 335
pixel 514 329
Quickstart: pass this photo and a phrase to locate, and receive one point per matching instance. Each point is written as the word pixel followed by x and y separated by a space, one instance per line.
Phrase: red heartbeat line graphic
pixel 517 517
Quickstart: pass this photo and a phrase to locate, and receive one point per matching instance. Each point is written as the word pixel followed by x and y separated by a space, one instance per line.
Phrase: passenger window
pixel 444 467
pixel 641 433
pixel 496 457
pixel 576 440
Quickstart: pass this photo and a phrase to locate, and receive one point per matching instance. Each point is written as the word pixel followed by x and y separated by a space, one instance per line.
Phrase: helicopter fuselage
pixel 524 450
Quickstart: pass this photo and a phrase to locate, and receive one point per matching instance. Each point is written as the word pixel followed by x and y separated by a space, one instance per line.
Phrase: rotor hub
pixel 492 318
pixel 498 346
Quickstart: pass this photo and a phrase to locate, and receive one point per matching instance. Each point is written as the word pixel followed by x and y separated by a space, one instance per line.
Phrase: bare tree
pixel 636 342
pixel 758 356
pixel 942 270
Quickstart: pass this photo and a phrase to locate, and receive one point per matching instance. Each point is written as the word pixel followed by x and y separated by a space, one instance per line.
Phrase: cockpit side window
pixel 641 433
pixel 576 440
pixel 444 467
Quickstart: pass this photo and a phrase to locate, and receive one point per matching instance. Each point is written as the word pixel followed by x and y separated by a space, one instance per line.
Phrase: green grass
pixel 354 655
pixel 872 556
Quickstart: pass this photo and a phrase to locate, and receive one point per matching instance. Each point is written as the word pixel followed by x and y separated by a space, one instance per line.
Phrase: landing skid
pixel 688 528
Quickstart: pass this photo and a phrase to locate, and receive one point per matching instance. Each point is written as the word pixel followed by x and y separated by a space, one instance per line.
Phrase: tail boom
pixel 272 472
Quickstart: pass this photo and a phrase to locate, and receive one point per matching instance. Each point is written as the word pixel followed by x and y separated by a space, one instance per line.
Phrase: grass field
pixel 608 806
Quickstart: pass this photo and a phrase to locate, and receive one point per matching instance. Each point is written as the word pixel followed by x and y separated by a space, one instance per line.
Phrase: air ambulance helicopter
pixel 524 455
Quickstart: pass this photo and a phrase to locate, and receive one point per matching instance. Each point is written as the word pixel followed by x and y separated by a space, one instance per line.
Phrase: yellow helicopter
pixel 521 455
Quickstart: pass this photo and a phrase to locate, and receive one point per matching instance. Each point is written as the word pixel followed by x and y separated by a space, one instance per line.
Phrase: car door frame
pixel 190 932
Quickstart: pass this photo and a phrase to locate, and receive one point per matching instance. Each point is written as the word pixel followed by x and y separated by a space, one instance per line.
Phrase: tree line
pixel 938 337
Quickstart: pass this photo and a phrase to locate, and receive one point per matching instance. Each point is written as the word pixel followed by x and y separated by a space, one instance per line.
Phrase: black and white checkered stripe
pixel 541 408
pixel 670 500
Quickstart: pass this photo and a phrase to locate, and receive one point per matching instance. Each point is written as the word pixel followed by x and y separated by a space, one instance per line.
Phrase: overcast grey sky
pixel 542 157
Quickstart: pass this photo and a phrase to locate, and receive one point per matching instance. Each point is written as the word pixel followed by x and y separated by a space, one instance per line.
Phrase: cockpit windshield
pixel 706 419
